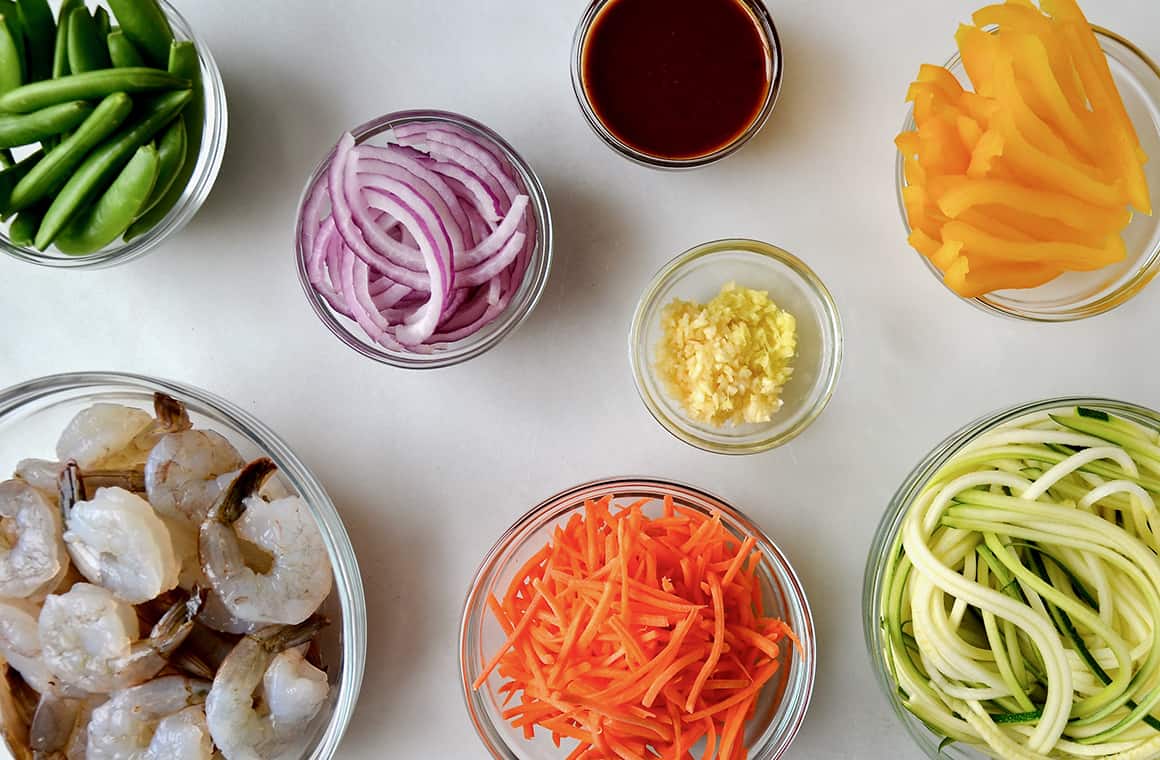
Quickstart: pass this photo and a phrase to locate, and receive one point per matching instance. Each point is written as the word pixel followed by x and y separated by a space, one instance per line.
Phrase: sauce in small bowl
pixel 676 83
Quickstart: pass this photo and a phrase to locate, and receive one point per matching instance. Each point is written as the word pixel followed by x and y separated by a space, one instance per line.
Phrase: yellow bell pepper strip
pixel 912 171
pixel 959 194
pixel 946 255
pixel 923 243
pixel 941 149
pixel 921 213
pixel 983 219
pixel 1045 172
pixel 978 50
pixel 979 108
pixel 941 78
pixel 1034 129
pixel 1040 228
pixel 907 144
pixel 969 132
pixel 1064 255
pixel 971 276
pixel 984 157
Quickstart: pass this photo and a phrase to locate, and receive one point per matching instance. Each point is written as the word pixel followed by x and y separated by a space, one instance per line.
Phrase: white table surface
pixel 429 468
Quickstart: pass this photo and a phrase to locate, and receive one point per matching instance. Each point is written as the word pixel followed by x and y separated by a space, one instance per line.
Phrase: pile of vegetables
pixel 1032 174
pixel 106 120
pixel 423 241
pixel 1021 597
pixel 637 636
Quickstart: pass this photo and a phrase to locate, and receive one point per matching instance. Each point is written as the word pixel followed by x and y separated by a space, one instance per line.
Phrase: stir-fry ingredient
pixel 422 242
pixel 189 555
pixel 638 636
pixel 109 123
pixel 1031 174
pixel 727 361
pixel 1022 593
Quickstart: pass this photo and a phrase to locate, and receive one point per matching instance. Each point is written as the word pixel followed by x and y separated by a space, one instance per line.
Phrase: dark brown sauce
pixel 676 79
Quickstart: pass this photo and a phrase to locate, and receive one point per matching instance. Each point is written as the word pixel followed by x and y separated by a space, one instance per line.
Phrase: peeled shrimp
pixel 299 577
pixel 294 691
pixel 238 729
pixel 99 432
pixel 32 556
pixel 89 639
pixel 20 642
pixel 119 542
pixel 181 473
pixel 159 720
pixel 59 725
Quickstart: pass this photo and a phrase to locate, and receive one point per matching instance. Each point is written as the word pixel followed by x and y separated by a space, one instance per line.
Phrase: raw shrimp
pixel 116 436
pixel 89 638
pixel 299 577
pixel 238 729
pixel 182 470
pixel 161 719
pixel 59 725
pixel 32 555
pixel 294 691
pixel 119 542
pixel 20 642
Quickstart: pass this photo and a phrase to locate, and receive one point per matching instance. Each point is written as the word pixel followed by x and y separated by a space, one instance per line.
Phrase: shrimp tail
pixel 17 702
pixel 72 488
pixel 231 504
pixel 76 486
pixel 175 625
pixel 278 638
pixel 54 723
pixel 171 413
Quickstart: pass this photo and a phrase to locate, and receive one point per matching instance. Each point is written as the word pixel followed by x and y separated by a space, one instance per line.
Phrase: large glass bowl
pixel 782 705
pixel 378 132
pixel 209 161
pixel 32 416
pixel 1075 295
pixel 887 536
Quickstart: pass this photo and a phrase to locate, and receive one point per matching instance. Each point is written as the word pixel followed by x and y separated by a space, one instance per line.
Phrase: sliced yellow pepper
pixel 978 50
pixel 941 150
pixel 971 276
pixel 941 78
pixel 984 157
pixel 979 108
pixel 923 243
pixel 959 194
pixel 1034 129
pixel 1064 255
pixel 946 255
pixel 1036 74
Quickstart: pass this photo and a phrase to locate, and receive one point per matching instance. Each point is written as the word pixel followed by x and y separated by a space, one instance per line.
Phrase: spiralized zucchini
pixel 1021 596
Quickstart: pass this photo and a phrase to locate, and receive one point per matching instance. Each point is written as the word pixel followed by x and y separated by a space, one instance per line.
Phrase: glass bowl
pixel 209 161
pixel 378 132
pixel 33 414
pixel 783 703
pixel 1075 295
pixel 697 275
pixel 773 60
pixel 887 539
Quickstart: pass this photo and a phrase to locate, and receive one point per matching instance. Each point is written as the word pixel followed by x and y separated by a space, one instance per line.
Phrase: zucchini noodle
pixel 1021 596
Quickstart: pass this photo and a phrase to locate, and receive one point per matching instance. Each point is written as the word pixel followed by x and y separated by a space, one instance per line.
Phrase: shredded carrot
pixel 637 636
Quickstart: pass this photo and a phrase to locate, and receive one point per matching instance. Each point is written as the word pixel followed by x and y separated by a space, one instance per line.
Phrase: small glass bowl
pixel 887 536
pixel 378 132
pixel 209 161
pixel 697 275
pixel 32 416
pixel 1075 295
pixel 782 705
pixel 773 60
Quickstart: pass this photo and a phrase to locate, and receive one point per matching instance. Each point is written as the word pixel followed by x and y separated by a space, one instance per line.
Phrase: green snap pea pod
pixel 54 170
pixel 11 13
pixel 39 38
pixel 98 168
pixel 104 24
pixel 104 221
pixel 87 48
pixel 23 229
pixel 11 65
pixel 6 158
pixel 171 150
pixel 122 52
pixel 60 51
pixel 183 62
pixel 11 176
pixel 144 23
pixel 25 128
pixel 90 85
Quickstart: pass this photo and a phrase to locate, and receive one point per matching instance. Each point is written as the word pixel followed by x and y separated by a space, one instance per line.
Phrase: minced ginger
pixel 727 361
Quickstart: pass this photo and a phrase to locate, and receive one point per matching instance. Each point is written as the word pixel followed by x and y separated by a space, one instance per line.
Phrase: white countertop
pixel 429 468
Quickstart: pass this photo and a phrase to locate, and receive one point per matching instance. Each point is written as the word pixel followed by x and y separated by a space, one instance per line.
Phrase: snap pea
pixel 54 170
pixel 11 13
pixel 98 168
pixel 39 38
pixel 171 157
pixel 87 50
pixel 183 62
pixel 22 129
pixel 11 66
pixel 104 24
pixel 6 159
pixel 122 52
pixel 23 229
pixel 104 221
pixel 60 51
pixel 89 85
pixel 144 23
pixel 12 175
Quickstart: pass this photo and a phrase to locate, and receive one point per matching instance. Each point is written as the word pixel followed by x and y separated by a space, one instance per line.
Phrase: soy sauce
pixel 676 79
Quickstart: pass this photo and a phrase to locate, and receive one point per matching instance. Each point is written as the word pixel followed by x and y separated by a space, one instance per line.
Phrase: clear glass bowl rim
pixel 1145 271
pixel 347 579
pixel 551 509
pixel 209 162
pixel 891 523
pixel 535 279
pixel 777 65
pixel 832 329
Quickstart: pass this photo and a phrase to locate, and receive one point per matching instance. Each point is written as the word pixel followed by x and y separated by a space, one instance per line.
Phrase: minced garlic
pixel 726 361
